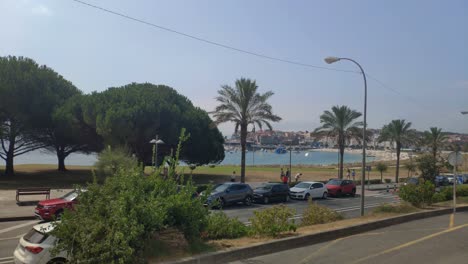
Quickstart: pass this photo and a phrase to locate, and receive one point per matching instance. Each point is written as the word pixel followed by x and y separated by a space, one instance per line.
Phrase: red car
pixel 337 187
pixel 53 208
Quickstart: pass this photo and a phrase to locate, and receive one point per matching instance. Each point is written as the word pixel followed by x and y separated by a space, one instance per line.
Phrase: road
pixel 433 240
pixel 10 232
pixel 348 206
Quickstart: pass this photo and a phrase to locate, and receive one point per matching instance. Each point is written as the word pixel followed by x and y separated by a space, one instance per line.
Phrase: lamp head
pixel 331 60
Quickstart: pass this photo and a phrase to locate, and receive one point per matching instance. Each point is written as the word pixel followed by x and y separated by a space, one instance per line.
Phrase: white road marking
pixel 7 262
pixel 11 238
pixel 17 226
pixel 7 258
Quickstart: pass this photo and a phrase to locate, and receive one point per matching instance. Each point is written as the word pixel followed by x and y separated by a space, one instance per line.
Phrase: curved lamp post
pixel 331 60
pixel 156 142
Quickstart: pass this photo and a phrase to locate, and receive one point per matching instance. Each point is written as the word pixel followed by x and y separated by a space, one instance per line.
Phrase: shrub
pixel 388 180
pixel 114 221
pixel 402 179
pixel 111 160
pixel 318 214
pixel 418 195
pixel 220 226
pixel 447 192
pixel 402 208
pixel 273 221
pixel 439 197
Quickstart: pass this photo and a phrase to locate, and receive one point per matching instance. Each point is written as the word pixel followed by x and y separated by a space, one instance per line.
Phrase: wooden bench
pixel 32 191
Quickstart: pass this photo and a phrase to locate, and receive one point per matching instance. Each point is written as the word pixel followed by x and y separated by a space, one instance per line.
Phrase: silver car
pixel 230 193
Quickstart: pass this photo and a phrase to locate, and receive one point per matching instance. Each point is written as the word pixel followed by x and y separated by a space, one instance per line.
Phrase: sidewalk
pixel 10 209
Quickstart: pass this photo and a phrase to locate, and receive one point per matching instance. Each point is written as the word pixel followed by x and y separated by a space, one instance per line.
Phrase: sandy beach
pixel 379 155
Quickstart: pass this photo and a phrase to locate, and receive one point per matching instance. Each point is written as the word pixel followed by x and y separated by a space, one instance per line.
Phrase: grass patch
pixel 460 200
pixel 402 208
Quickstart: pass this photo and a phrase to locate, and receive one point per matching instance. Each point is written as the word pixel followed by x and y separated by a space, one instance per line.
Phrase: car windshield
pixel 334 182
pixel 303 185
pixel 34 236
pixel 221 188
pixel 70 196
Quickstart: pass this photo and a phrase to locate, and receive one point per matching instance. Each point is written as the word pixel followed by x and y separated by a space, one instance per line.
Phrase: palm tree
pixel 244 106
pixel 411 167
pixel 340 124
pixel 397 131
pixel 381 167
pixel 434 138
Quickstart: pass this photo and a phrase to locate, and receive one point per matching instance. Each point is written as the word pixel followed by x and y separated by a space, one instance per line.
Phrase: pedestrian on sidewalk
pixel 353 173
pixel 281 174
pixel 348 174
pixel 288 175
pixel 233 176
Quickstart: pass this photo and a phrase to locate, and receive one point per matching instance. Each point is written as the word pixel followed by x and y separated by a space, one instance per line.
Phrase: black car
pixel 441 181
pixel 272 192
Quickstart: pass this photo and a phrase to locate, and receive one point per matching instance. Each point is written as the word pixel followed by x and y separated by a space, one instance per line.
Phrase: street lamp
pixel 156 141
pixel 331 60
pixel 464 112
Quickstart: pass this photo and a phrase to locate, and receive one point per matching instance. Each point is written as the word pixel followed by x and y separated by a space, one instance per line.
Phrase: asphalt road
pixel 10 232
pixel 432 241
pixel 348 206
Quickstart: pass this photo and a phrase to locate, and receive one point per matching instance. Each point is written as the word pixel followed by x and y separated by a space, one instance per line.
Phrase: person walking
pixel 297 177
pixel 288 175
pixel 353 174
pixel 348 174
pixel 281 174
pixel 233 176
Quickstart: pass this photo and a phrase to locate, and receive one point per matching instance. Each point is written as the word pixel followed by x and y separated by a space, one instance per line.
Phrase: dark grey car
pixel 230 193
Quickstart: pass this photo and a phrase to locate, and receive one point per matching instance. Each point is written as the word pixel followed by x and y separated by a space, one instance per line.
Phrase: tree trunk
pixel 61 159
pixel 398 149
pixel 243 138
pixel 9 170
pixel 341 146
pixel 381 177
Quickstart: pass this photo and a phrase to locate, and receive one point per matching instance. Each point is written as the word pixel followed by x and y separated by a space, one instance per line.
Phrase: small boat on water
pixel 280 150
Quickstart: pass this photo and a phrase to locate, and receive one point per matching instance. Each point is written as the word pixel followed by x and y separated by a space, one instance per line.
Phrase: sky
pixel 417 50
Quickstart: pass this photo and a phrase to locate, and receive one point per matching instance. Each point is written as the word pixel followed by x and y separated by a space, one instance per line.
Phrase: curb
pixel 305 240
pixel 17 218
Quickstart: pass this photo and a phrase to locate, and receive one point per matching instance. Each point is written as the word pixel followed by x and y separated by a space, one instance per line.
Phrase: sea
pixel 231 158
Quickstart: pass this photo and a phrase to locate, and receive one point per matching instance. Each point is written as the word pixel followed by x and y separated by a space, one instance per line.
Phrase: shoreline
pixel 378 155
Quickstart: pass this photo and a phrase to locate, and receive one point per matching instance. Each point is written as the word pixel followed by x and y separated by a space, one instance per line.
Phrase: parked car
pixel 53 208
pixel 34 246
pixel 441 180
pixel 412 180
pixel 306 190
pixel 338 187
pixel 230 193
pixel 271 192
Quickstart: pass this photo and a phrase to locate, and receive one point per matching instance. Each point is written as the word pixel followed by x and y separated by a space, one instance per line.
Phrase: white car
pixel 35 246
pixel 306 190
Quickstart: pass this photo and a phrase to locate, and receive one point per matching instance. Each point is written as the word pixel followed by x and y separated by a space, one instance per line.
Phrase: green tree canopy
pixel 133 114
pixel 434 139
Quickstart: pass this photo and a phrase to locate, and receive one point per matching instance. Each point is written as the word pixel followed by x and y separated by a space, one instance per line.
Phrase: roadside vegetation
pixel 401 208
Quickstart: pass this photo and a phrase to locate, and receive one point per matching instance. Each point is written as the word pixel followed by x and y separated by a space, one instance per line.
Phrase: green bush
pixel 447 191
pixel 402 208
pixel 418 195
pixel 114 221
pixel 111 160
pixel 317 214
pixel 403 179
pixel 273 221
pixel 439 197
pixel 388 180
pixel 221 226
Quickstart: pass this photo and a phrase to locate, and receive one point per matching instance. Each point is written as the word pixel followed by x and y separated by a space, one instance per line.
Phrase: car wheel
pixel 324 195
pixel 248 200
pixel 57 261
pixel 353 192
pixel 338 193
pixel 221 203
pixel 58 215
pixel 307 197
pixel 266 200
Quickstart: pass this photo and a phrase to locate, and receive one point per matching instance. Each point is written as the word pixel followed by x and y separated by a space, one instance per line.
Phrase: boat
pixel 280 150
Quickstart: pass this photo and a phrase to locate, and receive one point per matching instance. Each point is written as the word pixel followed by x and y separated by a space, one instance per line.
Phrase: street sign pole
pixel 455 159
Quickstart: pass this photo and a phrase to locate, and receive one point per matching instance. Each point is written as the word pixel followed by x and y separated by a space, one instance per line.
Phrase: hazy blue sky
pixel 419 49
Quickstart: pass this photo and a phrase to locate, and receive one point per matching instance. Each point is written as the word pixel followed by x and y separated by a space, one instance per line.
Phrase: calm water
pixel 259 158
